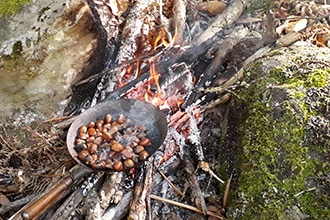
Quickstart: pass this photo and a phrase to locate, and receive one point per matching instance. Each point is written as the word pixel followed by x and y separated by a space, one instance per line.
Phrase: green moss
pixel 319 78
pixel 276 164
pixel 8 7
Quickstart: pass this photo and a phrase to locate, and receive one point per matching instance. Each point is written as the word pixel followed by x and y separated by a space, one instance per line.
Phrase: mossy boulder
pixel 8 7
pixel 282 123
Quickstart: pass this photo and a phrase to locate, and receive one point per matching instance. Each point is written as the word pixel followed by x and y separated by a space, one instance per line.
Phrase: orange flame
pixel 154 78
pixel 175 36
pixel 161 39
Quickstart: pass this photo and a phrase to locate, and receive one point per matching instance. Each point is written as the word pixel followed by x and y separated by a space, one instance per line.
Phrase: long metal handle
pixel 46 201
pixel 39 206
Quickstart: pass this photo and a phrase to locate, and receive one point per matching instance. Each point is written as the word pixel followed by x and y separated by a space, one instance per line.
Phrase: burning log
pixel 179 11
pixel 131 36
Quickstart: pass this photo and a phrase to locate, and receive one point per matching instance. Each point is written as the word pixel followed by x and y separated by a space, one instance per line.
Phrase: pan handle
pixel 39 206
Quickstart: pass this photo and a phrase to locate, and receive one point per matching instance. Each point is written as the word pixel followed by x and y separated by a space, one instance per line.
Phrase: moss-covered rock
pixel 8 7
pixel 284 136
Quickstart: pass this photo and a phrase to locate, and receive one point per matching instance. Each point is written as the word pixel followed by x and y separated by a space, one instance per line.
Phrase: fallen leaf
pixel 212 8
pixel 300 25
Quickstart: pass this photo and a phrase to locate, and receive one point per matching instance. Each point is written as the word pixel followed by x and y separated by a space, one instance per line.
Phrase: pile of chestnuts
pixel 109 144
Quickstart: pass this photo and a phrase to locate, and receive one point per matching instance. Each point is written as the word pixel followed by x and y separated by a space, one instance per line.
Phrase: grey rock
pixel 62 42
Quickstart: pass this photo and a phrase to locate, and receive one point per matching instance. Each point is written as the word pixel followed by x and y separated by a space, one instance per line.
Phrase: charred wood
pixel 193 183
pixel 132 31
pixel 207 78
pixel 138 209
pixel 120 210
pixel 109 188
pixel 93 206
pixel 179 11
pixel 189 55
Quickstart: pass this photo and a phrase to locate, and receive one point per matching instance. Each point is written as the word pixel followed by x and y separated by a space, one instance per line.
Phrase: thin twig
pixel 171 184
pixel 57 119
pixel 16 204
pixel 206 167
pixel 304 191
pixel 185 206
pixel 225 195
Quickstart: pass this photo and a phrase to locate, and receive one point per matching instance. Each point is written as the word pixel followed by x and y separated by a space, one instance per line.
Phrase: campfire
pixel 180 69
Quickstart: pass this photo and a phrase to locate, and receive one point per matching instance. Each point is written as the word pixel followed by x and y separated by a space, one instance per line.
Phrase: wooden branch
pixel 185 206
pixel 224 85
pixel 132 31
pixel 225 195
pixel 141 195
pixel 188 54
pixel 110 186
pixel 212 70
pixel 193 182
pixel 120 210
pixel 226 18
pixel 92 205
pixel 179 20
pixel 171 184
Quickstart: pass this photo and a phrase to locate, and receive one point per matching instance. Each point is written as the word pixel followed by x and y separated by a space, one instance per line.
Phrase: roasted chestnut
pixel 112 144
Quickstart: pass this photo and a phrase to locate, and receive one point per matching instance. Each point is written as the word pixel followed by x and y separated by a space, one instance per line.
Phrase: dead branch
pixel 93 206
pixel 141 195
pixel 132 31
pixel 179 10
pixel 228 17
pixel 206 167
pixel 193 183
pixel 120 210
pixel 225 195
pixel 187 55
pixel 110 186
pixel 192 208
pixel 171 184
pixel 225 84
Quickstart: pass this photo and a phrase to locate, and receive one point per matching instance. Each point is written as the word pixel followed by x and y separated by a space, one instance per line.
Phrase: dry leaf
pixel 300 25
pixel 211 7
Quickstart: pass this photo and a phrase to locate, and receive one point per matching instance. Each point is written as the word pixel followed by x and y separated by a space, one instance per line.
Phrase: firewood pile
pixel 184 57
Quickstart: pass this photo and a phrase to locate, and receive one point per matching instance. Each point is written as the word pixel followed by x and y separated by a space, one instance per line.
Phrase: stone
pixel 45 49
pixel 282 124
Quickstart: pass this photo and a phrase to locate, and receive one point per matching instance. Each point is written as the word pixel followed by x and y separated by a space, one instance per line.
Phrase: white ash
pixel 89 183
pixel 194 134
